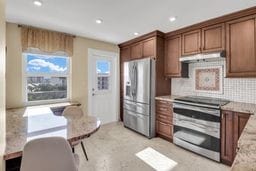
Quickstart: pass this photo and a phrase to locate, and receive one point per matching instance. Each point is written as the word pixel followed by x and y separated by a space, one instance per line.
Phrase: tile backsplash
pixel 234 89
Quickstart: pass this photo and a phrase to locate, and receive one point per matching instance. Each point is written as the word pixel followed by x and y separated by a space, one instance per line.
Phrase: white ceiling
pixel 121 18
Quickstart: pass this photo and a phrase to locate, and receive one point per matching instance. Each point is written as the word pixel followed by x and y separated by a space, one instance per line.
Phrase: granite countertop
pixel 169 98
pixel 25 124
pixel 240 107
pixel 246 155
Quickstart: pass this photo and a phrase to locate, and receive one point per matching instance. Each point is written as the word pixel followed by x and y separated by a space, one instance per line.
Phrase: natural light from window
pixel 46 77
pixel 156 160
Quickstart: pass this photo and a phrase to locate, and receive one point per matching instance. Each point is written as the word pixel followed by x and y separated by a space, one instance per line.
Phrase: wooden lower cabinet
pixel 164 115
pixel 164 129
pixel 232 125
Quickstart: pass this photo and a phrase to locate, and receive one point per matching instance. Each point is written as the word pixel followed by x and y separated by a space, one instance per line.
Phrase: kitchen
pixel 212 87
pixel 88 87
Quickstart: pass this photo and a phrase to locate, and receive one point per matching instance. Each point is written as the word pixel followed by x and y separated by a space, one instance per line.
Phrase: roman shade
pixel 46 41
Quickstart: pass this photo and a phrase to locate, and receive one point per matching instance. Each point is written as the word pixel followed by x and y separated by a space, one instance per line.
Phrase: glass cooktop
pixel 203 100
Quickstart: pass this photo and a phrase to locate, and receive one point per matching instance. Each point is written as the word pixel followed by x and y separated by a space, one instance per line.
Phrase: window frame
pixel 25 75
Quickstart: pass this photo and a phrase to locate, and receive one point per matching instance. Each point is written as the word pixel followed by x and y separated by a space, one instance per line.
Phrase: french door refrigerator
pixel 139 94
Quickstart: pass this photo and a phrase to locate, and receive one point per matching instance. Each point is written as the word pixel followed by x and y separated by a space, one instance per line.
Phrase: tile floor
pixel 114 148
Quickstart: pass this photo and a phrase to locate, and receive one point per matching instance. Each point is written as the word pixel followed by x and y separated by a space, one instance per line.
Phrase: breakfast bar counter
pixel 25 124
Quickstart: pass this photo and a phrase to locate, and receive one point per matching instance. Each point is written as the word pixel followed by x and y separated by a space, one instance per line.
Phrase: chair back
pixel 48 154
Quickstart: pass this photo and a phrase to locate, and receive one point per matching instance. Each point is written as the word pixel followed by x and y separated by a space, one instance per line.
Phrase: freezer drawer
pixel 137 122
pixel 137 107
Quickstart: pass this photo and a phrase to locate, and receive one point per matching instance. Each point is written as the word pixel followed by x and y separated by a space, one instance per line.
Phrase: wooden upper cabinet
pixel 125 53
pixel 173 67
pixel 241 57
pixel 136 50
pixel 191 42
pixel 213 38
pixel 149 48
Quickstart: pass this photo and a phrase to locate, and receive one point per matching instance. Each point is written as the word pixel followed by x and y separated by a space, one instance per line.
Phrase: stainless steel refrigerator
pixel 139 94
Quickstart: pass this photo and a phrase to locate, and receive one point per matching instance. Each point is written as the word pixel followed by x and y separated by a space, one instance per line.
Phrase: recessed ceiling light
pixel 38 3
pixel 136 33
pixel 98 21
pixel 172 19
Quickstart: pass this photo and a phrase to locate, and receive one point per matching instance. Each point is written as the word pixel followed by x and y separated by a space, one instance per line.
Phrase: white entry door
pixel 103 85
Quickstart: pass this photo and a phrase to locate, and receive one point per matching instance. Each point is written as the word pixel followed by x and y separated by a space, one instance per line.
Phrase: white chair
pixel 75 112
pixel 48 154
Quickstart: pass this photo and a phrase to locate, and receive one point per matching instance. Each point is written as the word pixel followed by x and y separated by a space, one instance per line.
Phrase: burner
pixel 203 100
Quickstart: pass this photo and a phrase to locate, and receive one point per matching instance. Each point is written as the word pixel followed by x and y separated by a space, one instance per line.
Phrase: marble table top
pixel 25 124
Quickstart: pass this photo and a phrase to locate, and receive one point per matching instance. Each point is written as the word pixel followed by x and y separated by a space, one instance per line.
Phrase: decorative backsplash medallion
pixel 208 79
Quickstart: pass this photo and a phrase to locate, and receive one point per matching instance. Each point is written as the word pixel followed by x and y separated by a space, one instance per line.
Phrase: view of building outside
pixel 46 77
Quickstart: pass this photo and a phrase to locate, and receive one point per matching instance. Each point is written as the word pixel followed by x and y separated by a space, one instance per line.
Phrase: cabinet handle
pixel 237 149
pixel 162 109
pixel 165 124
pixel 161 116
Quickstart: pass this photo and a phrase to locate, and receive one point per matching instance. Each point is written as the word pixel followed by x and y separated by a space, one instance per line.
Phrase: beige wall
pixel 2 82
pixel 79 66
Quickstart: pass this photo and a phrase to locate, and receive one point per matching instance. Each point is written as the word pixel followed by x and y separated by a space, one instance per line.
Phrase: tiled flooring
pixel 114 148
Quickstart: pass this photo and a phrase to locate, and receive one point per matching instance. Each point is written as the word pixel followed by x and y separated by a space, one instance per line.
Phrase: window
pixel 103 74
pixel 46 78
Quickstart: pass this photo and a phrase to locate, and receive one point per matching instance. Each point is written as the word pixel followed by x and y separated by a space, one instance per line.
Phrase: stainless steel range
pixel 197 124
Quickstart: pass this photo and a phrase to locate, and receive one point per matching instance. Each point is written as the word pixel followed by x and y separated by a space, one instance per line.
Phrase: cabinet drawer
pixel 164 108
pixel 164 129
pixel 164 118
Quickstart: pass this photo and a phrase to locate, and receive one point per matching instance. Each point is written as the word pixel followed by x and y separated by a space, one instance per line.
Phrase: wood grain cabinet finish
pixel 164 116
pixel 241 57
pixel 124 56
pixel 173 66
pixel 213 38
pixel 191 42
pixel 240 120
pixel 227 137
pixel 136 51
pixel 232 125
pixel 149 48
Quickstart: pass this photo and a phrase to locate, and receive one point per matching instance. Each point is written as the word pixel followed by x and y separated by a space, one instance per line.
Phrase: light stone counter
pixel 240 107
pixel 25 124
pixel 169 98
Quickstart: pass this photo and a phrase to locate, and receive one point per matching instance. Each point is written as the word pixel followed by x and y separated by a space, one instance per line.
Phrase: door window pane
pixel 103 74
pixel 103 67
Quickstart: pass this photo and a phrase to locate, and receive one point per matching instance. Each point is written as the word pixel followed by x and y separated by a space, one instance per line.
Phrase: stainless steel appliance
pixel 139 92
pixel 197 125
pixel 204 57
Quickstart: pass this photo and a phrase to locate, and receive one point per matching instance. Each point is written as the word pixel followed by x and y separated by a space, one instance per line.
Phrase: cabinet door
pixel 125 54
pixel 241 57
pixel 149 48
pixel 191 42
pixel 136 51
pixel 227 132
pixel 213 38
pixel 240 120
pixel 172 55
pixel 164 129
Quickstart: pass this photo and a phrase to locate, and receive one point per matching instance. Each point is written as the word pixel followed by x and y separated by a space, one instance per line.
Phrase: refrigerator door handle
pixel 135 80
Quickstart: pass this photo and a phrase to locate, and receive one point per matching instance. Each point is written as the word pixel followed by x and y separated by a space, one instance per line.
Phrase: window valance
pixel 46 41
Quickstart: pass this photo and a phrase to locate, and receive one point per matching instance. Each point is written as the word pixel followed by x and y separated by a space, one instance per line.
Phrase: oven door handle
pixel 214 112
